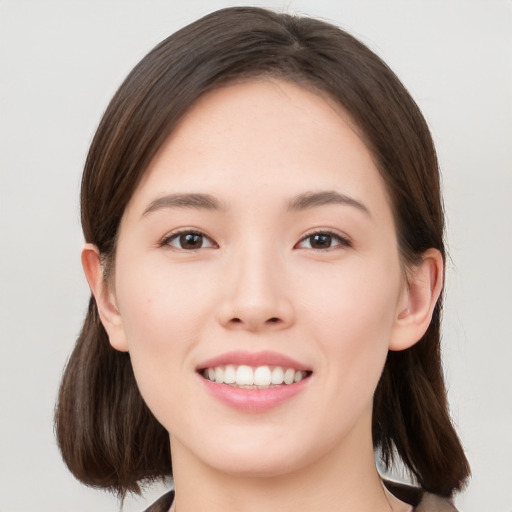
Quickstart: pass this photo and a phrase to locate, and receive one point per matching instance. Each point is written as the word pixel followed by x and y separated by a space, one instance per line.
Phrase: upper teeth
pixel 247 376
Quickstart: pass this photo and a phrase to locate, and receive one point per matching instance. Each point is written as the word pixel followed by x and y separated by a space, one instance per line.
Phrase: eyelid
pixel 344 240
pixel 168 238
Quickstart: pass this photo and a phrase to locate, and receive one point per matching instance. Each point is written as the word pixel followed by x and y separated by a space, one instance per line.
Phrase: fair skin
pixel 290 252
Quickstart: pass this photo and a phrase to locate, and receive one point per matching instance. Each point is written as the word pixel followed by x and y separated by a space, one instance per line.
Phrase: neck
pixel 345 479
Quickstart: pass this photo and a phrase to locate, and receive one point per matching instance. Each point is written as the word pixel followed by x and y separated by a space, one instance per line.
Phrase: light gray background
pixel 61 61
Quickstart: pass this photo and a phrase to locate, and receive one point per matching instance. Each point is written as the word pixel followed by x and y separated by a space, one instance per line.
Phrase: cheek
pixel 360 297
pixel 160 305
pixel 163 313
pixel 352 318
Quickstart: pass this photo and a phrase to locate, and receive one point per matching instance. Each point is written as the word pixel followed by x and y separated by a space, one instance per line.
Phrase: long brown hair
pixel 107 435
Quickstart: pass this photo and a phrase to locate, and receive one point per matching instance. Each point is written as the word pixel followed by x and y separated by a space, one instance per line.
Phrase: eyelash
pixel 343 240
pixel 166 241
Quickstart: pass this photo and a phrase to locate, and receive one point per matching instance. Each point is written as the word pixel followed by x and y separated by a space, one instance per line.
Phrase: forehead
pixel 262 134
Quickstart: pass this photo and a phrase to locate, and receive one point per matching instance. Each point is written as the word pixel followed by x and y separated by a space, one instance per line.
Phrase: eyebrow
pixel 201 201
pixel 315 199
pixel 301 202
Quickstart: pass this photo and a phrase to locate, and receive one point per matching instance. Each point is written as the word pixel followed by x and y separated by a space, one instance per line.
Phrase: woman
pixel 264 231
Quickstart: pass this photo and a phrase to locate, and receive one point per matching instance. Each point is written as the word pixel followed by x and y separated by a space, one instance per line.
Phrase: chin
pixel 263 458
pixel 257 467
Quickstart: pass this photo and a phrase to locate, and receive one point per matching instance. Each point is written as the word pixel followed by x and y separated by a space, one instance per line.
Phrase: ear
pixel 419 297
pixel 104 296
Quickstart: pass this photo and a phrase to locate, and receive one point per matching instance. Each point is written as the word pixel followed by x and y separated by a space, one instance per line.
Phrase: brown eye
pixel 323 240
pixel 320 241
pixel 189 241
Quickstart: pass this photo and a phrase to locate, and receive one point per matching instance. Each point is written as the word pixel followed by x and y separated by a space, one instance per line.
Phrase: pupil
pixel 321 241
pixel 190 241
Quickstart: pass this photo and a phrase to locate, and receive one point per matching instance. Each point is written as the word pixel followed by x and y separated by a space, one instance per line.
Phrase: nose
pixel 256 296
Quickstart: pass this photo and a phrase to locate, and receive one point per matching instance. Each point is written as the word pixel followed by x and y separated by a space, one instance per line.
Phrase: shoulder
pixel 432 503
pixel 421 501
pixel 162 504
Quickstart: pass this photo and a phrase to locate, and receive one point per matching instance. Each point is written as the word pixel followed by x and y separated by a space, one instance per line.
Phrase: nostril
pixel 252 323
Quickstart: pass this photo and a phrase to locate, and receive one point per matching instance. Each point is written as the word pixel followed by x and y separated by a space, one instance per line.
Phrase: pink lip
pixel 253 400
pixel 253 359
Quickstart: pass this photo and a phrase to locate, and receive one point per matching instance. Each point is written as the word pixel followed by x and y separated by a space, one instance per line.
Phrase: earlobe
pixel 416 306
pixel 104 296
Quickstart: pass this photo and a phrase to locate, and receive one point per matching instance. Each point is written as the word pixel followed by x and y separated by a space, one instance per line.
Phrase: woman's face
pixel 260 247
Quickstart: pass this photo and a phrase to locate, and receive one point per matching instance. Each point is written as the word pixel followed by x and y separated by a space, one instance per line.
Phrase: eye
pixel 188 240
pixel 323 240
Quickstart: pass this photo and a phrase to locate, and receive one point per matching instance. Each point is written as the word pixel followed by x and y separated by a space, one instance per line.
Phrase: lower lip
pixel 254 400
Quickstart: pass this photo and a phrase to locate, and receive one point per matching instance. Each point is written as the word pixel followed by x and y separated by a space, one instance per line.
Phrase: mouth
pixel 254 377
pixel 254 382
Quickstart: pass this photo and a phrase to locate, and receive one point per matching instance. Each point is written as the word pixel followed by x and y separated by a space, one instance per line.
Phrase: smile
pixel 248 377
pixel 254 382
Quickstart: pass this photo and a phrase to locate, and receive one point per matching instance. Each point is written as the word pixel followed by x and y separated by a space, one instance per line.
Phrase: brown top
pixel 420 500
pixel 162 504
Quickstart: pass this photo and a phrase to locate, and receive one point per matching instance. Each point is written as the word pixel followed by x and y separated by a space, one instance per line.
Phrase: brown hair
pixel 107 435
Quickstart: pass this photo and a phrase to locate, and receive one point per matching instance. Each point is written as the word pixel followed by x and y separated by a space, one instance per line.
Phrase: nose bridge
pixel 256 296
pixel 255 269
